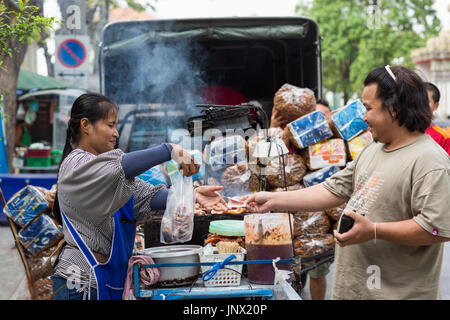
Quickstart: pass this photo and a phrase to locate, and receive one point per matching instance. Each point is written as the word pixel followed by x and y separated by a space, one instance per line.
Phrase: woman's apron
pixel 110 276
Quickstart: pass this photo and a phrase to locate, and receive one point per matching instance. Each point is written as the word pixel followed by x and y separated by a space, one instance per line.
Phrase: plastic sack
pixel 294 102
pixel 309 129
pixel 319 176
pixel 311 223
pixel 239 180
pixel 40 234
pixel 282 290
pixel 349 120
pixel 226 151
pixel 177 223
pixel 294 168
pixel 327 153
pixel 25 205
pixel 358 143
pixel 312 245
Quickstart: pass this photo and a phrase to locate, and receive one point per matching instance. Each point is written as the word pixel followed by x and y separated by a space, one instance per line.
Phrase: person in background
pixel 100 200
pixel 437 133
pixel 22 136
pixel 323 106
pixel 394 250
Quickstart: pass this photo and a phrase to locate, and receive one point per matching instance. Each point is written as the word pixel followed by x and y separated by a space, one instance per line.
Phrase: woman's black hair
pixel 405 97
pixel 94 107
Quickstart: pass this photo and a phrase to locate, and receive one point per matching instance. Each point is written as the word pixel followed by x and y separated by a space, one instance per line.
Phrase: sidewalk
pixel 13 281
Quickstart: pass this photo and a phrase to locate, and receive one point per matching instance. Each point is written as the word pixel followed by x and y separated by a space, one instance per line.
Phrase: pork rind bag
pixel 294 168
pixel 327 153
pixel 177 223
pixel 311 223
pixel 294 102
pixel 39 234
pixel 313 244
pixel 239 180
pixel 309 129
pixel 25 205
pixel 349 120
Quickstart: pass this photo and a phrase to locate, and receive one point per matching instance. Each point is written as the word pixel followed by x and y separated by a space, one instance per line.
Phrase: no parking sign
pixel 72 63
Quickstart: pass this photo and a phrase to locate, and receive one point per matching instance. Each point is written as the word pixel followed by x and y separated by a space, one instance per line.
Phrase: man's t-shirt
pixel 411 182
pixel 440 136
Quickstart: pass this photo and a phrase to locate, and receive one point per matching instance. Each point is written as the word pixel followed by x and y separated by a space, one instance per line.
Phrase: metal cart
pixel 197 290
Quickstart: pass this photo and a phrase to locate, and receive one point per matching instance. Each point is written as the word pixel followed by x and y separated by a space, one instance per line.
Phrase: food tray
pixel 223 277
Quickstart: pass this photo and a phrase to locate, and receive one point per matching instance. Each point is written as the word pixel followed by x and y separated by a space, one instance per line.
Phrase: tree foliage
pixel 360 35
pixel 20 22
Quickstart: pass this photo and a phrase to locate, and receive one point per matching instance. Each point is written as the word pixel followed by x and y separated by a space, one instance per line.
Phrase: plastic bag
pixel 349 120
pixel 25 205
pixel 309 129
pixel 282 290
pixel 177 223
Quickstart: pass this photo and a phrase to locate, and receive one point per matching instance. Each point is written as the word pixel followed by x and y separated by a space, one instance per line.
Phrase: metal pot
pixel 176 276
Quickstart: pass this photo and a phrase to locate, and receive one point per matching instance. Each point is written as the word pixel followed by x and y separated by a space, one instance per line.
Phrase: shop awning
pixel 30 80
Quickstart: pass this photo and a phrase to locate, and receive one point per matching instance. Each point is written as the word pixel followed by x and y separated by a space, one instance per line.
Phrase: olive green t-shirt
pixel 411 182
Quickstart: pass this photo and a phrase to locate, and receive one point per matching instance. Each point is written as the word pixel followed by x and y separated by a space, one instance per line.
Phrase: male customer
pixel 437 133
pixel 397 192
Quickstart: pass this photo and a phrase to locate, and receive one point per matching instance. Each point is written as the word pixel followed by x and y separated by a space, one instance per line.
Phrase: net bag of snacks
pixel 177 223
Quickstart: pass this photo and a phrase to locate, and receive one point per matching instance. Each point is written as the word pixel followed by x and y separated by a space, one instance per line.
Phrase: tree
pixel 20 22
pixel 360 35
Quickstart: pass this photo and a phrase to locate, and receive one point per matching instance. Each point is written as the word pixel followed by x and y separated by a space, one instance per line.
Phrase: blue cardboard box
pixel 349 120
pixel 309 129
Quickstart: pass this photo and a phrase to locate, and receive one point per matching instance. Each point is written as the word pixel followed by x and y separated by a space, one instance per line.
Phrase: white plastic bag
pixel 282 290
pixel 177 223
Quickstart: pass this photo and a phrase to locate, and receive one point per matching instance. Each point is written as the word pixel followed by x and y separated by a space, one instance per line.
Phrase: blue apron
pixel 110 276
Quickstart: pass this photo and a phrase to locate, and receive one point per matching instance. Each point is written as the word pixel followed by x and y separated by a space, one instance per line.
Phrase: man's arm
pixel 314 198
pixel 406 232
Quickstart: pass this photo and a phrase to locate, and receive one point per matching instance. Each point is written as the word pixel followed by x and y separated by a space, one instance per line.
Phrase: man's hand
pixel 277 119
pixel 185 159
pixel 259 202
pixel 209 198
pixel 363 230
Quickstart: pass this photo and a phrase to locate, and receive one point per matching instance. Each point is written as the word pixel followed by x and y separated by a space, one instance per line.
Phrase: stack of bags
pixel 324 144
pixel 38 234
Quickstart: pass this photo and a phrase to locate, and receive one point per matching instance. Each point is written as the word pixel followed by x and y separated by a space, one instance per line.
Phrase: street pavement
pixel 13 281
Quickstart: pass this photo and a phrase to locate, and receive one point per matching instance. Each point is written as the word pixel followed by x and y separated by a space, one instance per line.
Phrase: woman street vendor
pixel 100 200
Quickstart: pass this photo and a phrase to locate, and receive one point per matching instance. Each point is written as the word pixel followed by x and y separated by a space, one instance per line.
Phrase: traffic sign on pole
pixel 72 62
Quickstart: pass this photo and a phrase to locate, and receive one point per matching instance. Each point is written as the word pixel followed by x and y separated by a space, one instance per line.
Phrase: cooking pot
pixel 176 276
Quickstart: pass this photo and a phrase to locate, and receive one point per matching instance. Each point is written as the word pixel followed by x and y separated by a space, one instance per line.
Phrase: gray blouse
pixel 90 190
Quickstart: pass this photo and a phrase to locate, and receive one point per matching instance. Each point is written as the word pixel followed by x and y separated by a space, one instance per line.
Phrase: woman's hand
pixel 185 159
pixel 259 202
pixel 363 230
pixel 209 198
